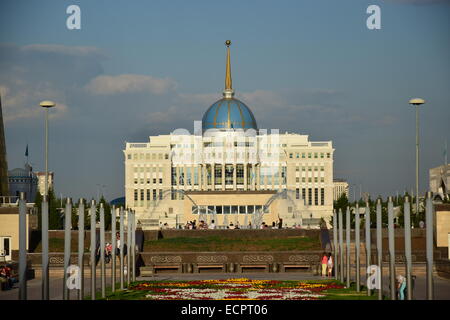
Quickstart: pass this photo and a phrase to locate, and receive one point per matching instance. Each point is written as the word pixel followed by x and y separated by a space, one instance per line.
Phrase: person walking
pixel 324 264
pixel 330 265
pixel 401 285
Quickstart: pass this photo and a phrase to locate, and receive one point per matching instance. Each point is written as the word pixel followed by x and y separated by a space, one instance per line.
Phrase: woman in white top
pixel 330 264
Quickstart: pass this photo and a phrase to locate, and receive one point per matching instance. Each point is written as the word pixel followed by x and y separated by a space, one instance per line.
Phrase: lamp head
pixel 47 104
pixel 416 101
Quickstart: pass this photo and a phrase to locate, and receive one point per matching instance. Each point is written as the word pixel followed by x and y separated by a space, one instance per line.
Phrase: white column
pixel 258 177
pixel 234 176
pixel 245 175
pixel 213 176
pixel 223 176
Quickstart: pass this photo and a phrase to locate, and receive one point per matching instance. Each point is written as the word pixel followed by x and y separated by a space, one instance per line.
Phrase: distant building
pixel 118 202
pixel 23 180
pixel 41 180
pixel 9 230
pixel 229 170
pixel 440 182
pixel 442 224
pixel 340 186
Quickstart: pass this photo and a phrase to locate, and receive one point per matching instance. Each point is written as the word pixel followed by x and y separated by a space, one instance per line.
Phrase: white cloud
pixel 129 83
pixel 24 104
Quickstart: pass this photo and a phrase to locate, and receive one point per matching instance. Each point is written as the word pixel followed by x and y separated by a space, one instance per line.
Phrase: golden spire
pixel 228 92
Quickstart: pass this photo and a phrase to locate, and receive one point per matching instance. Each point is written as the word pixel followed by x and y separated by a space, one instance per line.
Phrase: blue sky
pixel 139 68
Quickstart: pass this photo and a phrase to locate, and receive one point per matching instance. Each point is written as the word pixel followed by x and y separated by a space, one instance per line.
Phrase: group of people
pixel 275 225
pixel 7 279
pixel 402 286
pixel 191 225
pixel 108 250
pixel 327 264
pixel 236 226
pixel 202 225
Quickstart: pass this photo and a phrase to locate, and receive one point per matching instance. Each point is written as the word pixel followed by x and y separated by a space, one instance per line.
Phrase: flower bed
pixel 231 289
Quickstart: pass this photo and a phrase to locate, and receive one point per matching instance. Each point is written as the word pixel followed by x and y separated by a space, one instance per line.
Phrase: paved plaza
pixel 442 286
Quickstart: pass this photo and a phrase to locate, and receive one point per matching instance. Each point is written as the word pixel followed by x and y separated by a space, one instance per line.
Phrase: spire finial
pixel 228 92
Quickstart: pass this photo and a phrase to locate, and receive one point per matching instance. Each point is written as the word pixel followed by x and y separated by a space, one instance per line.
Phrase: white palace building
pixel 229 171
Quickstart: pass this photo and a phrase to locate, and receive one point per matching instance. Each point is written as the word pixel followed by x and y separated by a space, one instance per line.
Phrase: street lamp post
pixel 417 102
pixel 46 105
pixel 44 227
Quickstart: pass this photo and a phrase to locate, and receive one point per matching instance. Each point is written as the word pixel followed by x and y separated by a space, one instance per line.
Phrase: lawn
pixel 57 245
pixel 214 244
pixel 239 289
pixel 209 243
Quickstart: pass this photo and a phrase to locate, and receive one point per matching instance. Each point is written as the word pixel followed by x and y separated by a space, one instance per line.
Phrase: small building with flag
pixel 23 180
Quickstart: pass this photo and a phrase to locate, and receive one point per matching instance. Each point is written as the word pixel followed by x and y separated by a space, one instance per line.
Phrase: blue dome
pixel 228 113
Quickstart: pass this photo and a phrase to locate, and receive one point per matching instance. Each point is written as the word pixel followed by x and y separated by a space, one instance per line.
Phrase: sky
pixel 142 68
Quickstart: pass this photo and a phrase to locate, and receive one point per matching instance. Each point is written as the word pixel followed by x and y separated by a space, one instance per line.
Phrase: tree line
pixel 56 212
pixel 398 201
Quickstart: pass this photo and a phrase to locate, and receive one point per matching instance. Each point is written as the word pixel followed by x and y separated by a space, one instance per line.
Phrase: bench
pixel 146 272
pixel 303 266
pixel 149 271
pixel 209 266
pixel 243 266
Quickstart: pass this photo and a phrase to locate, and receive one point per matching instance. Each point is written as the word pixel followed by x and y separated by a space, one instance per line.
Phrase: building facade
pixel 23 180
pixel 229 171
pixel 41 181
pixel 9 230
pixel 440 182
pixel 340 188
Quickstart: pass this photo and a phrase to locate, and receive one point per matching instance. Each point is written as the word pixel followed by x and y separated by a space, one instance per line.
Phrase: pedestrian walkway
pixel 441 286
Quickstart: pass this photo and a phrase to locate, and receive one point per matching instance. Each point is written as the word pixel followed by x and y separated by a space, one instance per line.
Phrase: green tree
pixel 342 203
pixel 54 214
pixel 107 208
pixel 38 205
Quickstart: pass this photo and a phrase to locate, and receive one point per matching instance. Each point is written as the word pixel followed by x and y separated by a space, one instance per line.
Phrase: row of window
pixel 309 197
pixel 222 144
pixel 26 180
pixel 321 168
pixel 310 179
pixel 229 209
pixel 160 169
pixel 306 193
pixel 148 156
pixel 311 155
pixel 228 145
pixel 155 194
pixel 148 193
pixel 148 180
pixel 218 155
pixel 148 169
pixel 165 156
pixel 268 175
pixel 228 178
